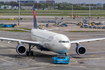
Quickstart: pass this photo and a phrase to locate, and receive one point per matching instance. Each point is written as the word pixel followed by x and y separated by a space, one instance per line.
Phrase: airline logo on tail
pixel 34 16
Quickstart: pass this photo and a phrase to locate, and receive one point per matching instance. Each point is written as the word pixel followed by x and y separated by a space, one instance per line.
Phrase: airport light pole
pixel 72 10
pixel 89 12
pixel 19 14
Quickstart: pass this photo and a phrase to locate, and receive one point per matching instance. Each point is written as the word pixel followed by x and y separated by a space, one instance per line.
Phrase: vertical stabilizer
pixel 34 16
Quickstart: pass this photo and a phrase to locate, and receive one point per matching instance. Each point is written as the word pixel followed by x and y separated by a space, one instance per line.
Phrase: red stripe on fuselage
pixel 34 13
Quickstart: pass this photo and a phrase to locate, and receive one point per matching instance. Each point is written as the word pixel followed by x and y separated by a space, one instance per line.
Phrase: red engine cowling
pixel 80 50
pixel 21 49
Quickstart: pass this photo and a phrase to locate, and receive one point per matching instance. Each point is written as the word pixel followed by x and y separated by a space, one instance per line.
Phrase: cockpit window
pixel 63 41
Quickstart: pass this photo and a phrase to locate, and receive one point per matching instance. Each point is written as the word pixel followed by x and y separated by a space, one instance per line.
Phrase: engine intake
pixel 80 50
pixel 21 49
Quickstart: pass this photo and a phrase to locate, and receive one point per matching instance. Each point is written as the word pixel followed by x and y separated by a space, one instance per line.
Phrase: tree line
pixel 59 6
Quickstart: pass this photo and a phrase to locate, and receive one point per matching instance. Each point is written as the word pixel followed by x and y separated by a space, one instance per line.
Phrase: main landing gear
pixel 29 53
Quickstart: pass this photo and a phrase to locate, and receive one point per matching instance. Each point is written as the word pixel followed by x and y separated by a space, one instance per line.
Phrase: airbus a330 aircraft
pixel 48 41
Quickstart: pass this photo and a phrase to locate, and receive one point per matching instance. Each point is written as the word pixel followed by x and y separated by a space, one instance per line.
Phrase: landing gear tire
pixel 29 53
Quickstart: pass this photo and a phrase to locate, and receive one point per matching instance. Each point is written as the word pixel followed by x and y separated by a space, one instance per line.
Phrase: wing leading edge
pixel 86 40
pixel 20 41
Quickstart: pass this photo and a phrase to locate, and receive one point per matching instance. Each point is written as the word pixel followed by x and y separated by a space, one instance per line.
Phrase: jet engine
pixel 21 49
pixel 80 50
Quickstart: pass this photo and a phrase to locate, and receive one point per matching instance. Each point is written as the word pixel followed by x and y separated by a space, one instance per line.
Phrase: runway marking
pixel 78 66
pixel 95 58
pixel 95 34
pixel 5 60
pixel 94 63
pixel 93 55
pixel 63 65
pixel 76 61
pixel 9 42
pixel 30 68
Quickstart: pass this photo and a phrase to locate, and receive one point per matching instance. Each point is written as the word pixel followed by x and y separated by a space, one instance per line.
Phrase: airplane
pixel 45 40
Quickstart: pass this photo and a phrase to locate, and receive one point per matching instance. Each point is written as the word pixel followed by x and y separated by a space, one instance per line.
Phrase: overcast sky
pixel 71 1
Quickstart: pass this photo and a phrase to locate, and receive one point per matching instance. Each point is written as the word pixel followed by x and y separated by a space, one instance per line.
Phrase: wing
pixel 19 41
pixel 86 40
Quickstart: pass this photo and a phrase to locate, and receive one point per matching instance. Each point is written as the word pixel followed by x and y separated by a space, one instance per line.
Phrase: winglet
pixel 34 16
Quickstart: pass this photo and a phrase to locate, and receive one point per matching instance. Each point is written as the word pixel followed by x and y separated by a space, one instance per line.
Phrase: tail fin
pixel 34 16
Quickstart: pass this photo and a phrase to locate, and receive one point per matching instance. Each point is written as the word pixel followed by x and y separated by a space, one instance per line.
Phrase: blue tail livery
pixel 34 16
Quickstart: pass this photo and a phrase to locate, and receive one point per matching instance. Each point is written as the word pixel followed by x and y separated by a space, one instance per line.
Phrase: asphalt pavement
pixel 94 59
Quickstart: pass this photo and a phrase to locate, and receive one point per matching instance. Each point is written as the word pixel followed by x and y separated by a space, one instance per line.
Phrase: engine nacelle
pixel 21 49
pixel 80 50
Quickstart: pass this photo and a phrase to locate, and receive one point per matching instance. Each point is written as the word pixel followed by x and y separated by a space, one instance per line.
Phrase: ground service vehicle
pixel 61 58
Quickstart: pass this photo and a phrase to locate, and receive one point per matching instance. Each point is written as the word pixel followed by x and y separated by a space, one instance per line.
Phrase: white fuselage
pixel 55 42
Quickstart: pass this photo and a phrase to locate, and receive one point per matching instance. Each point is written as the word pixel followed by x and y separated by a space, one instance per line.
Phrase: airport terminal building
pixel 27 1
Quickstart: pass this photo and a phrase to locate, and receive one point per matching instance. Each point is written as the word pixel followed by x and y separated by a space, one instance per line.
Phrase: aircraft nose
pixel 66 46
